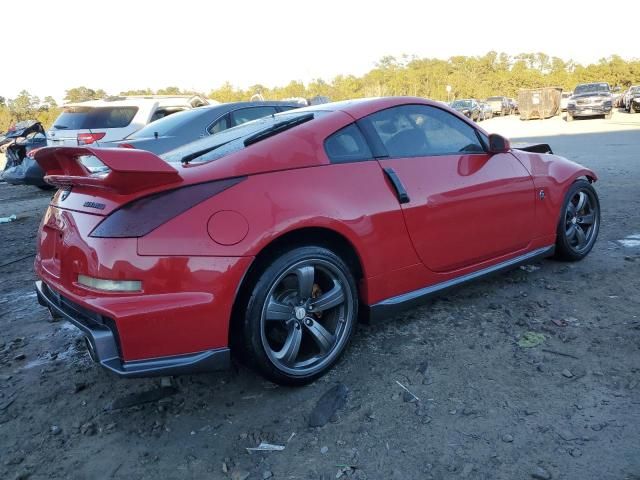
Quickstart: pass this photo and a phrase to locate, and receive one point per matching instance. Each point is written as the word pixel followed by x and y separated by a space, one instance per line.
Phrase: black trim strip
pixel 395 305
pixel 401 192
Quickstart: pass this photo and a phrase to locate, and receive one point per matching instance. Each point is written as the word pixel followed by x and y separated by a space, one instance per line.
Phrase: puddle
pixel 630 241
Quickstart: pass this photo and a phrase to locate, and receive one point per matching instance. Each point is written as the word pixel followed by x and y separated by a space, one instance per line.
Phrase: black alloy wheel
pixel 579 222
pixel 301 315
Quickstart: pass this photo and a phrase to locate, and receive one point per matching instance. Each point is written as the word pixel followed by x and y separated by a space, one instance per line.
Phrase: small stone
pixel 567 373
pixel 225 469
pixel 423 367
pixel 324 450
pixel 506 438
pixel 407 397
pixel 468 411
pixel 20 356
pixel 575 452
pixel 79 386
pixel 88 428
pixel 541 474
pixel 266 474
pixel 55 430
pixel 239 475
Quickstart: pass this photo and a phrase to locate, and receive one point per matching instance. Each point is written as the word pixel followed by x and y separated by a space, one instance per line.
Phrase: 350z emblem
pixel 99 206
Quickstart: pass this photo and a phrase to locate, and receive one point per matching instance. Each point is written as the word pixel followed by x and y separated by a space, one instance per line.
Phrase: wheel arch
pixel 323 236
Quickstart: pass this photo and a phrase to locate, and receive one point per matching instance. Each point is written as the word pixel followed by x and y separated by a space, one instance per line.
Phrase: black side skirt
pixel 395 305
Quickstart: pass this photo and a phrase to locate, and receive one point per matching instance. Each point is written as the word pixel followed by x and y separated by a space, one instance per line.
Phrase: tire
pixel 579 222
pixel 287 337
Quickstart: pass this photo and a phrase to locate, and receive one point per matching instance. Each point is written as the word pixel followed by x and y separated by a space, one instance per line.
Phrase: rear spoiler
pixel 129 170
pixel 533 147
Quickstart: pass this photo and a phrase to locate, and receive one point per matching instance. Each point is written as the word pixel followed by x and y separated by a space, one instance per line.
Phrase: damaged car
pixel 261 241
pixel 18 145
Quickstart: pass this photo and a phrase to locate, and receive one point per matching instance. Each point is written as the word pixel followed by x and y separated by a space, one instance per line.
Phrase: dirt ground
pixel 481 405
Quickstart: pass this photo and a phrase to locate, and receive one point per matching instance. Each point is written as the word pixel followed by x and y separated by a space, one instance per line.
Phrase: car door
pixel 463 205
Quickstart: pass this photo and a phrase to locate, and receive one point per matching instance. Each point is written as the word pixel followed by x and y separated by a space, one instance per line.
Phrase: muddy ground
pixel 488 408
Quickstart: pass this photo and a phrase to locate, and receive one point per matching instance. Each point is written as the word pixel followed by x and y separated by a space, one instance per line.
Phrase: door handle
pixel 401 192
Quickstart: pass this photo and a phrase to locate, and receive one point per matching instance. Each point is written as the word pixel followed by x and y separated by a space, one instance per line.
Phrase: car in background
pixel 470 108
pixel 185 127
pixel 513 106
pixel 590 99
pixel 485 111
pixel 564 100
pixel 632 99
pixel 260 239
pixel 499 105
pixel 114 118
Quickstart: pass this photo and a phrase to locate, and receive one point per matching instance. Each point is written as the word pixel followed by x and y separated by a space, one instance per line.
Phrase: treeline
pixel 476 77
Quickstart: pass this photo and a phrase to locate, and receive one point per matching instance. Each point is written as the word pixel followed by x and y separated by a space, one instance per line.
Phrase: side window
pixel 347 145
pixel 421 130
pixel 247 114
pixel 219 125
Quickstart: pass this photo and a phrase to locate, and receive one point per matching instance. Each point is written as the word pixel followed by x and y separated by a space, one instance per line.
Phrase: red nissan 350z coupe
pixel 271 237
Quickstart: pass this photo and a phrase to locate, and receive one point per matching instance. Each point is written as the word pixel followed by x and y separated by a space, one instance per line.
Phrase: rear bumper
pixel 104 344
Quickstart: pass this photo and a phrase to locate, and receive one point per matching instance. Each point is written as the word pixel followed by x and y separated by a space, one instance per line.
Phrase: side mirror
pixel 498 144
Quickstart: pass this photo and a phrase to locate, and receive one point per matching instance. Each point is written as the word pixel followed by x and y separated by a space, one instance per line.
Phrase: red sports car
pixel 271 237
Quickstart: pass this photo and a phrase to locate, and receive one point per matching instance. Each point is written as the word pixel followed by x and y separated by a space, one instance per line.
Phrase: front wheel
pixel 301 315
pixel 579 222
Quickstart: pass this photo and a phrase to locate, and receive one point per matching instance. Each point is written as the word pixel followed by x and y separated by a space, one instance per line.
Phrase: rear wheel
pixel 579 222
pixel 300 316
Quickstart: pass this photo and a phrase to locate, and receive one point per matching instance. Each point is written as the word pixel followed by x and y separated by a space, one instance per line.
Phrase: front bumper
pixel 104 344
pixel 588 110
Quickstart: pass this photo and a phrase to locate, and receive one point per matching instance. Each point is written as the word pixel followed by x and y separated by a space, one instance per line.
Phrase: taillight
pixel 125 145
pixel 89 138
pixel 141 216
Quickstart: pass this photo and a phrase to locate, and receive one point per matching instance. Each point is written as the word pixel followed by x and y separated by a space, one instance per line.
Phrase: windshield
pixel 462 104
pixel 166 125
pixel 233 139
pixel 82 118
pixel 592 88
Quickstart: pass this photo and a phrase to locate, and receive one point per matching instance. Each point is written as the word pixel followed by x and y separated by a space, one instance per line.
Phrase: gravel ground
pixel 481 404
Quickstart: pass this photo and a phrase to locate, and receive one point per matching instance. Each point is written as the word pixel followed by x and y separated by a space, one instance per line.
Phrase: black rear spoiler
pixel 533 147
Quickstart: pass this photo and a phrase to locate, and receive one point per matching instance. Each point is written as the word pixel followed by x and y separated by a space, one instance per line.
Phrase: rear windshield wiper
pixel 277 128
pixel 187 158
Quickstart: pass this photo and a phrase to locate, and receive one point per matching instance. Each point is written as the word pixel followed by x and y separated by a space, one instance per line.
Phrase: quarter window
pixel 420 130
pixel 247 114
pixel 347 145
pixel 219 125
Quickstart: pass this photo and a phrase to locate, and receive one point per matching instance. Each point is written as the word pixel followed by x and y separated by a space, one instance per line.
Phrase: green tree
pixel 83 94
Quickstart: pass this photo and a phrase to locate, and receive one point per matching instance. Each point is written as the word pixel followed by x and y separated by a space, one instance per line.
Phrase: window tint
pixel 219 125
pixel 80 118
pixel 247 114
pixel 347 145
pixel 167 125
pixel 419 130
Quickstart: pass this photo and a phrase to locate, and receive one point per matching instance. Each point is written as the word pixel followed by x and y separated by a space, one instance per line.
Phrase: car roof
pixel 361 107
pixel 138 101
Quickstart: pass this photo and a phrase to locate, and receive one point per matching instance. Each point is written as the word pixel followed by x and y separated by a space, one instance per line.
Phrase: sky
pixel 120 45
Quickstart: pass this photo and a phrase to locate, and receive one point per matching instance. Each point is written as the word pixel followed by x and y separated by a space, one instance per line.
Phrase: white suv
pixel 114 118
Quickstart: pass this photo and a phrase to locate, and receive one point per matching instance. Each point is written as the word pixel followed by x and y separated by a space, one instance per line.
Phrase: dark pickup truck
pixel 590 99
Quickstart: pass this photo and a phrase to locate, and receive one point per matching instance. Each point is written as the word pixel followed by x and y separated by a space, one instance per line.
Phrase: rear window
pixel 166 125
pixel 88 118
pixel 233 139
